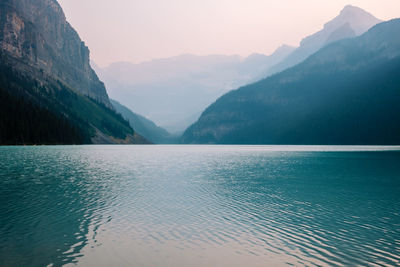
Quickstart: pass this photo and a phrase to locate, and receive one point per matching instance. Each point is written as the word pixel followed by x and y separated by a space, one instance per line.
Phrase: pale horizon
pixel 135 31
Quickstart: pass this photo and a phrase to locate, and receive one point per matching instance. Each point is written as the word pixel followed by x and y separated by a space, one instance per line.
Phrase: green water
pixel 199 206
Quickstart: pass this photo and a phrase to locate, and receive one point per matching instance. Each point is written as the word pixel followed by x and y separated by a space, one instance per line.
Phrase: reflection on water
pixel 198 206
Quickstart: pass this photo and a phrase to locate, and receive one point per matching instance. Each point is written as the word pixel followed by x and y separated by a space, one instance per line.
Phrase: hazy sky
pixel 138 30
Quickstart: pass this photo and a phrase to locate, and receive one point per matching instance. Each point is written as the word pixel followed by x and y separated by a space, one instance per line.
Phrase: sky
pixel 141 30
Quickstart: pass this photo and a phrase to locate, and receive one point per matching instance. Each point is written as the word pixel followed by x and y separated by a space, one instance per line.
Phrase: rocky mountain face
pixel 35 34
pixel 49 92
pixel 174 91
pixel 351 22
pixel 346 93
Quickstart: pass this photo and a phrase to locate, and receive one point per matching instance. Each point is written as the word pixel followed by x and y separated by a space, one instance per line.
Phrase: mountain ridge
pixel 358 20
pixel 336 96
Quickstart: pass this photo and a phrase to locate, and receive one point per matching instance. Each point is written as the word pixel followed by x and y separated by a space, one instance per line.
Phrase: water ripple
pixel 199 206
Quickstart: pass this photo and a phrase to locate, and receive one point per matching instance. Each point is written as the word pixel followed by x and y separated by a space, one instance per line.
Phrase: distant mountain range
pixel 346 93
pixel 174 91
pixel 49 94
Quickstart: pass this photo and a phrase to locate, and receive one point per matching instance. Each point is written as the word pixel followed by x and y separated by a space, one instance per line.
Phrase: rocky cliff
pixel 35 35
pixel 49 94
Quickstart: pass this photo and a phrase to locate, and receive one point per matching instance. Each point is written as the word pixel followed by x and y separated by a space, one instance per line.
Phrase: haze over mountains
pixel 346 93
pixel 174 91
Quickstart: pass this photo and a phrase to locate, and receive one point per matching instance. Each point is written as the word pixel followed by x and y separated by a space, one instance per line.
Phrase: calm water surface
pixel 199 206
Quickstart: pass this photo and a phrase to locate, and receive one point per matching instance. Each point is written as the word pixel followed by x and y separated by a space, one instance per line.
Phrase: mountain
pixel 346 93
pixel 351 22
pixel 174 91
pixel 49 92
pixel 144 127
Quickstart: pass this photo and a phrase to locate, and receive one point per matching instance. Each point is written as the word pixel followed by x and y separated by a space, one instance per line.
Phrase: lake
pixel 199 206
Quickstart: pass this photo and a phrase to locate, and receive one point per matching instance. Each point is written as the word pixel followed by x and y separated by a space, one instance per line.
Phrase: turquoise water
pixel 199 206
